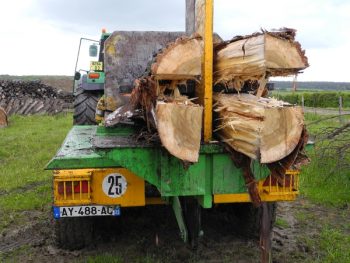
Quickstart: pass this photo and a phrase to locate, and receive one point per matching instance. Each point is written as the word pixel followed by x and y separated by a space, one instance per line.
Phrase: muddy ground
pixel 151 235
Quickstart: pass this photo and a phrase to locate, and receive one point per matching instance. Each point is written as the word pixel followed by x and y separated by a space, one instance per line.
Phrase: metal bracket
pixel 180 218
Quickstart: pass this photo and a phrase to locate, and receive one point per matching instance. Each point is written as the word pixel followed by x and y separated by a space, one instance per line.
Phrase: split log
pixel 258 56
pixel 177 120
pixel 264 129
pixel 3 118
pixel 179 128
pixel 179 61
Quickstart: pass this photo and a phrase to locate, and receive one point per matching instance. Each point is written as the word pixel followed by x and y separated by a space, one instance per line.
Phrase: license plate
pixel 90 210
pixel 96 66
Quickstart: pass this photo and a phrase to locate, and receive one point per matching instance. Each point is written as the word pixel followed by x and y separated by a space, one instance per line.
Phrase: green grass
pixel 331 240
pixel 335 244
pixel 315 123
pixel 280 222
pixel 104 258
pixel 320 99
pixel 35 198
pixel 107 257
pixel 320 180
pixel 27 145
pixel 30 142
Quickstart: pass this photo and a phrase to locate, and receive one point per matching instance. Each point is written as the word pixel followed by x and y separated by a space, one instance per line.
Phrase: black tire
pixel 85 103
pixel 249 218
pixel 74 233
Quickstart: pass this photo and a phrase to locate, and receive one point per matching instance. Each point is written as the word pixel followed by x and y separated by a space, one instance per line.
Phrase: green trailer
pixel 101 171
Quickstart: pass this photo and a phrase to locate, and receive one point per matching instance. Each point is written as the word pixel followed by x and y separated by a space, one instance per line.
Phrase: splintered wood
pixel 257 57
pixel 176 119
pixel 261 128
pixel 264 129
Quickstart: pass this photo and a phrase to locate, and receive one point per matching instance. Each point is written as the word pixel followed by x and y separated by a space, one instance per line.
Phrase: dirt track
pixel 151 235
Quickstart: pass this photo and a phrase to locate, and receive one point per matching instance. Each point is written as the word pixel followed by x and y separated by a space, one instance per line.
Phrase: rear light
pixel 94 75
pixel 78 186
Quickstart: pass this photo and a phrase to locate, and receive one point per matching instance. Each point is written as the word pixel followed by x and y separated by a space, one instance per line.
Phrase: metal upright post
pixel 208 70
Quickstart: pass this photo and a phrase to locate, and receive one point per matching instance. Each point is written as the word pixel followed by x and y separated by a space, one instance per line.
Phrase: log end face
pixel 281 133
pixel 179 127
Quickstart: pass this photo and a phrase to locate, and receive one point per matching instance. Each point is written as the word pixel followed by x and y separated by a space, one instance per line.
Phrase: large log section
pixel 257 57
pixel 264 129
pixel 260 128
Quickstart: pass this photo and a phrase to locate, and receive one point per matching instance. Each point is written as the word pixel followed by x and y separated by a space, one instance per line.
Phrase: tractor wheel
pixel 74 233
pixel 85 103
pixel 249 219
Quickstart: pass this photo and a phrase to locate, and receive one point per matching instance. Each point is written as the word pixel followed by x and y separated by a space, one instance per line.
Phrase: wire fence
pixel 325 103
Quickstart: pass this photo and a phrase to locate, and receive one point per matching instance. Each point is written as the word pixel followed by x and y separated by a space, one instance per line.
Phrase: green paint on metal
pixel 206 201
pixel 212 148
pixel 227 178
pixel 215 172
pixel 260 171
pixel 100 80
pixel 144 162
pixel 122 130
pixel 105 35
pixel 180 218
pixel 176 180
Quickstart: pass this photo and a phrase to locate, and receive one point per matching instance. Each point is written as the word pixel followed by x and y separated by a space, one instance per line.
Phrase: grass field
pixel 317 182
pixel 321 99
pixel 30 142
pixel 26 146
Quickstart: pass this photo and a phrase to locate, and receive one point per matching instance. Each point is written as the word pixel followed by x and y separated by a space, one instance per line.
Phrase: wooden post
pixel 340 109
pixel 302 101
pixel 294 88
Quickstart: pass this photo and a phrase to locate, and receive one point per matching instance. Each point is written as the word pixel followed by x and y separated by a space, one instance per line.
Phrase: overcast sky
pixel 41 37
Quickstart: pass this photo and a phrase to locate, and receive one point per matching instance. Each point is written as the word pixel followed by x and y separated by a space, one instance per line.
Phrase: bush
pixel 316 99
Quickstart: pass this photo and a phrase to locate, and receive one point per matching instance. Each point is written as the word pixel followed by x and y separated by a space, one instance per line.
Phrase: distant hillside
pixel 312 85
pixel 65 83
pixel 58 82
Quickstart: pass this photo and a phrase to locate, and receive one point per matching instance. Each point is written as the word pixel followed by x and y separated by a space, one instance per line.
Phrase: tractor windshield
pixel 89 50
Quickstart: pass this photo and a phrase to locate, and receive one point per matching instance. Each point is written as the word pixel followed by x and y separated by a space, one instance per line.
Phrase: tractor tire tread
pixel 85 107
